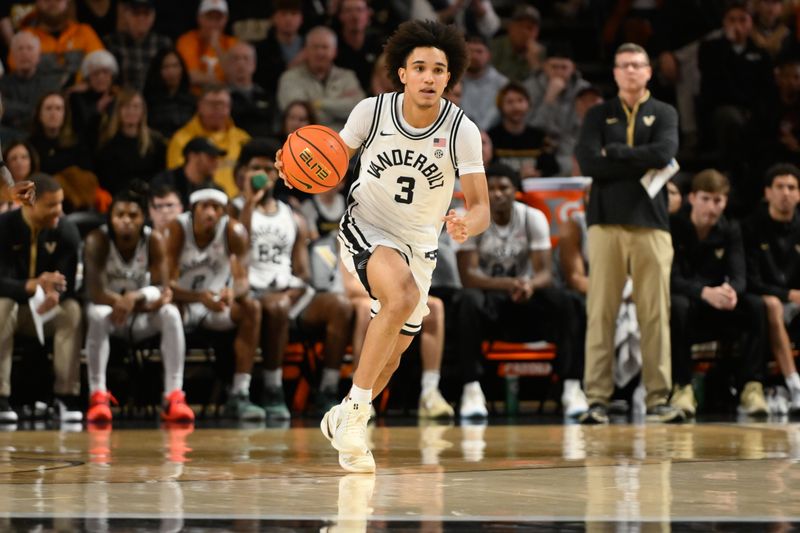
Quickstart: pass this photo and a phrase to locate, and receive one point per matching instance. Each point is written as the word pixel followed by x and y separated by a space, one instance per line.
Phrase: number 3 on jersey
pixel 407 188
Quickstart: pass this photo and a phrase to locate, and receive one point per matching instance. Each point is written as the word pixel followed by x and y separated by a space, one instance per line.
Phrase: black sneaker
pixel 274 403
pixel 666 414
pixel 7 414
pixel 68 409
pixel 597 414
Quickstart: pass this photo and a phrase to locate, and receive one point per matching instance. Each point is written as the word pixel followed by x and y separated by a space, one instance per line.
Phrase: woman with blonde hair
pixel 128 148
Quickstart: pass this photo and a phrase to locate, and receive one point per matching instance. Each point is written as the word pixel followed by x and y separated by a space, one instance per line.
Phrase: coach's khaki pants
pixel 64 327
pixel 646 254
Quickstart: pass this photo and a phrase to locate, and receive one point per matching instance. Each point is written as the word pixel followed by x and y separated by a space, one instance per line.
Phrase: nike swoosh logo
pixel 301 182
pixel 383 134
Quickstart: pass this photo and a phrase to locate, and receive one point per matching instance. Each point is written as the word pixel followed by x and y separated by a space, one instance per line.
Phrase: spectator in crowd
pixel 13 191
pixel 207 253
pixel 203 49
pixel 201 159
pixel 776 130
pixel 380 82
pixel 23 87
pixel 772 239
pixel 127 281
pixel 735 77
pixel 553 93
pixel 518 53
pixel 166 91
pixel 52 136
pixel 64 42
pixel 283 47
pixel 770 31
pixel 628 233
pixel 297 114
pixel 480 84
pixel 675 201
pixel 333 91
pixel 708 294
pixel 21 159
pixel 476 16
pixel 280 278
pixel 136 44
pixel 586 99
pixel 487 148
pixel 40 257
pixel 164 206
pixel 213 120
pixel 252 109
pixel 92 106
pixel 126 137
pixel 11 16
pixel 101 15
pixel 528 150
pixel 359 42
pixel 508 290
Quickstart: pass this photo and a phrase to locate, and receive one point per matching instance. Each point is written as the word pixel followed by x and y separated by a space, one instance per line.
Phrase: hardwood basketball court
pixel 433 477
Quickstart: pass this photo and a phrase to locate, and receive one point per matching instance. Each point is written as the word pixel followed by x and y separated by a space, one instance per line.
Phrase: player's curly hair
pixel 426 34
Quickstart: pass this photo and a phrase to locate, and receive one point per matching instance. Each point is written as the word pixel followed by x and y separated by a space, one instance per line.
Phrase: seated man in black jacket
pixel 708 298
pixel 772 247
pixel 39 251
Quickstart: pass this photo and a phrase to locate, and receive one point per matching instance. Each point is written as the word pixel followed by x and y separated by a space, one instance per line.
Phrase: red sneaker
pixel 176 409
pixel 100 408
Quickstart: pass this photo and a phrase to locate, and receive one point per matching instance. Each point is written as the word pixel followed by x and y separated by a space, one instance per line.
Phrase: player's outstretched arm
pixel 476 219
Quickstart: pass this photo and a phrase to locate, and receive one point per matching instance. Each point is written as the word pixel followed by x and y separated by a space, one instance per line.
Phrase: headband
pixel 213 195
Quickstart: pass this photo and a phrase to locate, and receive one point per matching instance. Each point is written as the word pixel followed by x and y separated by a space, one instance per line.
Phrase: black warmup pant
pixel 694 321
pixel 550 314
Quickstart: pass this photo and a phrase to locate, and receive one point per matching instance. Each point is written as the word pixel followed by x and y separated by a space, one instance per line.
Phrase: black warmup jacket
pixel 772 249
pixel 53 250
pixel 707 263
pixel 634 141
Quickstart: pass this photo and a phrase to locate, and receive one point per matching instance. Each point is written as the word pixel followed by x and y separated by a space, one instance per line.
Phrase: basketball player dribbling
pixel 413 144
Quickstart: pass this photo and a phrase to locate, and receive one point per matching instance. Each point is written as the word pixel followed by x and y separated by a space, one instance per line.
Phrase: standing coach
pixel 620 141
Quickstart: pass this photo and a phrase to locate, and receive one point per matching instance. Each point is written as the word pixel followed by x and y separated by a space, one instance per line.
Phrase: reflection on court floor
pixel 429 476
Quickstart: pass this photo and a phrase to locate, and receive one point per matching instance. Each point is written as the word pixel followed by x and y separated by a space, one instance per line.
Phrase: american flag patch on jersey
pixel 439 142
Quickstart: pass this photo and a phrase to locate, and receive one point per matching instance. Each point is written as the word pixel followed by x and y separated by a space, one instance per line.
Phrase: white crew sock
pixel 241 383
pixel 430 381
pixel 359 395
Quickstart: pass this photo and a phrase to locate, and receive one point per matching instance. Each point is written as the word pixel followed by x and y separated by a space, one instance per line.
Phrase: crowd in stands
pixel 158 118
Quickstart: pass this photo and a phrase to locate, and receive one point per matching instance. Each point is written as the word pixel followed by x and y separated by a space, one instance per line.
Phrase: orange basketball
pixel 314 159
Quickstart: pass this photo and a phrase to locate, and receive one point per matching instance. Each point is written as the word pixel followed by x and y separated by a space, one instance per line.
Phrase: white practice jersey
pixel 272 238
pixel 120 275
pixel 406 178
pixel 208 268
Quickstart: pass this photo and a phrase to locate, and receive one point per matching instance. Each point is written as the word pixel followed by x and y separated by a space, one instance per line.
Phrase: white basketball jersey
pixel 208 268
pixel 272 238
pixel 120 275
pixel 406 178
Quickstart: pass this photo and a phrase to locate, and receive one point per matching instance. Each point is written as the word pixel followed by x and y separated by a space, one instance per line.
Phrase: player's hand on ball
pixel 279 168
pixel 456 226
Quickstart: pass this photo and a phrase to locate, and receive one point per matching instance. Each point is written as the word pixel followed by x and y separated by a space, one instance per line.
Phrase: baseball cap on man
pixel 213 5
pixel 203 145
pixel 526 12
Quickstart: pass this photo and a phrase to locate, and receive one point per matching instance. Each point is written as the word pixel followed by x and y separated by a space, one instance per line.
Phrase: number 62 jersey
pixel 406 178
